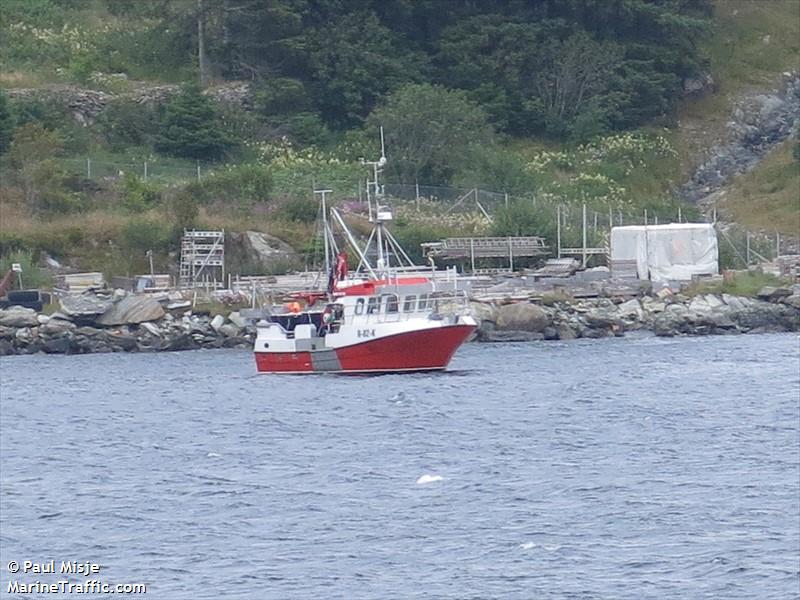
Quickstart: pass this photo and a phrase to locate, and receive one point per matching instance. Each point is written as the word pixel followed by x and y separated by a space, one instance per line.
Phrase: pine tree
pixel 191 128
pixel 6 123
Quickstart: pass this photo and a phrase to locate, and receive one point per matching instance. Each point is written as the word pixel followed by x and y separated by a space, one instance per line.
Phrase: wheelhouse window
pixel 359 309
pixel 423 302
pixel 391 303
pixel 373 305
pixel 409 304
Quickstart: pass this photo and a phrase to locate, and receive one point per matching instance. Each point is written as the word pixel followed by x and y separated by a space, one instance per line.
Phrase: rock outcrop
pixel 759 122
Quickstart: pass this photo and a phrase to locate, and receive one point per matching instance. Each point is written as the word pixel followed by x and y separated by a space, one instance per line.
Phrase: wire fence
pixel 567 224
pixel 147 170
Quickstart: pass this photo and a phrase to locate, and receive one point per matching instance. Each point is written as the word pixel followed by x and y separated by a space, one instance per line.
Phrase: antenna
pixel 382 161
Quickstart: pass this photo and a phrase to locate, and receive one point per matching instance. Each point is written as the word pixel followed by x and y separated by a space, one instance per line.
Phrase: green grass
pixel 768 197
pixel 753 41
pixel 744 283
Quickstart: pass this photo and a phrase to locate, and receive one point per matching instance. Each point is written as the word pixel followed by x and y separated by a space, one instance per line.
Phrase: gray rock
pixel 601 319
pixel 58 345
pixel 522 316
pixel 513 336
pixel 57 327
pixel 237 320
pixel 6 348
pixel 713 301
pixel 132 310
pixel 229 330
pixel 565 332
pixel 793 300
pixel 17 316
pixel 630 310
pixel 773 294
pixel 90 332
pixel 87 306
pixel 734 302
pixel 121 341
pixel 217 322
pixel 151 328
pixel 24 335
pixel 183 341
pixel 236 342
pixel 268 250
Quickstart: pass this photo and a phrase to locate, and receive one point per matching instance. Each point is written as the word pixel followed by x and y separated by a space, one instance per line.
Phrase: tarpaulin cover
pixel 671 252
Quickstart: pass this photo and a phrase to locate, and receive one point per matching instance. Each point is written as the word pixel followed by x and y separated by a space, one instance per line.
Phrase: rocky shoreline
pixel 664 314
pixel 90 324
pixel 129 323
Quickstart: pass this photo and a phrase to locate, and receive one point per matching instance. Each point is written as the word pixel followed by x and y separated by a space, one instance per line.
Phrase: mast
pixel 325 229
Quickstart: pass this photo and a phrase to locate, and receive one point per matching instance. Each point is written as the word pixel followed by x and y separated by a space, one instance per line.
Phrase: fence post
pixel 505 197
pixel 583 249
pixel 777 244
pixel 88 168
pixel 198 170
pixel 645 216
pixel 748 249
pixel 416 191
pixel 558 229
pixel 145 170
pixel 680 216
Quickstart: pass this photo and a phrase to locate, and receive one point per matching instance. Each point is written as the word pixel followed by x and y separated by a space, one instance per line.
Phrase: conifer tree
pixel 191 127
pixel 6 123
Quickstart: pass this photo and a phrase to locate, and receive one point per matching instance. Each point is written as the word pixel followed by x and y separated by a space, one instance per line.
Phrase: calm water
pixel 635 468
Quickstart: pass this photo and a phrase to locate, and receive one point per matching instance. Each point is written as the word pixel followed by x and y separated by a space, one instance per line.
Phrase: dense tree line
pixel 563 68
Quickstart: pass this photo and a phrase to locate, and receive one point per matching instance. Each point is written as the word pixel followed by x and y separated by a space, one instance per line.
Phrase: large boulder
pixel 57 326
pixel 17 316
pixel 773 294
pixel 131 310
pixel 522 316
pixel 85 307
pixel 267 250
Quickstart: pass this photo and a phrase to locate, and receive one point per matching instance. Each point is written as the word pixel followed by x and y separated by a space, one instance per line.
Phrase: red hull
pixel 429 349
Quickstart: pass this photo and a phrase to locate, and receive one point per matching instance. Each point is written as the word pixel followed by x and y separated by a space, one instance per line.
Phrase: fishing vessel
pixel 389 315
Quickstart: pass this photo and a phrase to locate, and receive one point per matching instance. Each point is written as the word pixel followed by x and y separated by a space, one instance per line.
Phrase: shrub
pixel 137 194
pixel 242 185
pixel 126 123
pixel 303 210
pixel 521 217
pixel 183 210
pixel 141 235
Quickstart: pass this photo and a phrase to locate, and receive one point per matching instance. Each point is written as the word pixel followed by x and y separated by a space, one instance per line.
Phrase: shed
pixel 672 252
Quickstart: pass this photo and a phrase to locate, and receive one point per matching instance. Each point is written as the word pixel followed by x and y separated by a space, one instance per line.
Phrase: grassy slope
pixel 767 198
pixel 754 42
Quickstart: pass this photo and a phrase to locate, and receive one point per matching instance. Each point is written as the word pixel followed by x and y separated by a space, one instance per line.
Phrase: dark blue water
pixel 625 468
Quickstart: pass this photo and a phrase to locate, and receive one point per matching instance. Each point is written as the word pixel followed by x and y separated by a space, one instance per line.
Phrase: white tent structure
pixel 673 252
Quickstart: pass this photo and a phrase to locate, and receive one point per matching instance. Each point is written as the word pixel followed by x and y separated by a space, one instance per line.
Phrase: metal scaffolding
pixel 202 259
